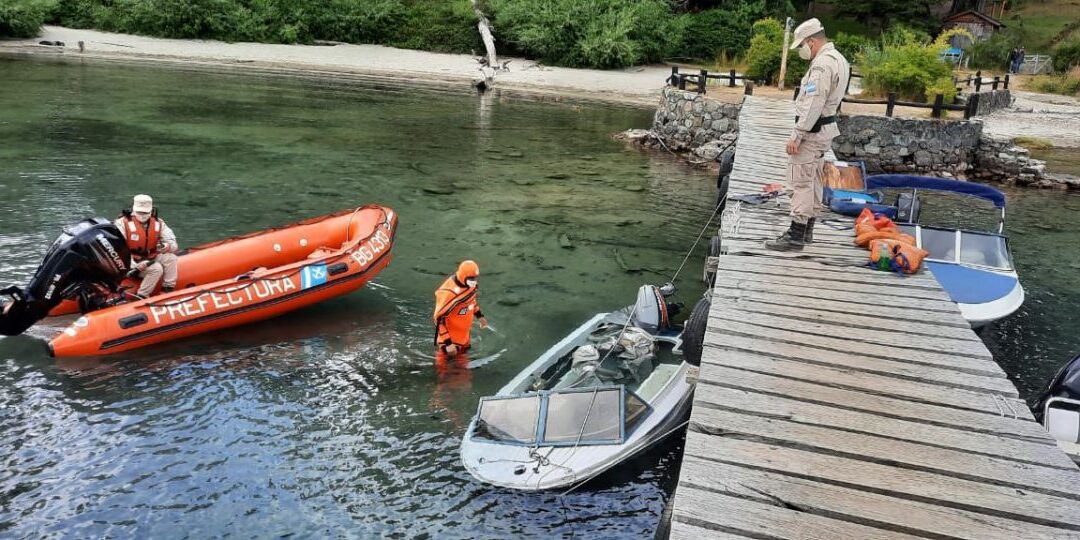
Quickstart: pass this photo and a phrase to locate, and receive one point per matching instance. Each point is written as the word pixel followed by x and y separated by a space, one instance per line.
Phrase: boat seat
pixel 656 380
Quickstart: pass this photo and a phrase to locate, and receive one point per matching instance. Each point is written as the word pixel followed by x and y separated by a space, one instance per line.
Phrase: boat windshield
pixel 982 249
pixel 508 419
pixel 566 417
pixel 594 415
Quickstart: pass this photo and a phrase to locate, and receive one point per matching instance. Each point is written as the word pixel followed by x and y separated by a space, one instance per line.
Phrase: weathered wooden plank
pixel 895 291
pixel 984 381
pixel 1022 505
pixel 822 253
pixel 757 519
pixel 895 313
pixel 754 403
pixel 812 249
pixel 800 267
pixel 718 329
pixel 901 342
pixel 857 380
pixel 749 228
pixel 807 312
pixel 881 404
pixel 863 382
pixel 893 452
pixel 797 292
pixel 686 531
pixel 854 505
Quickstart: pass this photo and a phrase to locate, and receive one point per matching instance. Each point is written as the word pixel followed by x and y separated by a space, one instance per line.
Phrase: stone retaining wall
pixel 988 102
pixel 686 120
pixel 908 145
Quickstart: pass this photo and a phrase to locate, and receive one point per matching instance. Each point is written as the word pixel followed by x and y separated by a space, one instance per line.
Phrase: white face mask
pixel 471 282
pixel 143 218
pixel 804 51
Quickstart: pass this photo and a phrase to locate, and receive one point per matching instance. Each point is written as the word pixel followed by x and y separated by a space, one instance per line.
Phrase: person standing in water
pixel 456 308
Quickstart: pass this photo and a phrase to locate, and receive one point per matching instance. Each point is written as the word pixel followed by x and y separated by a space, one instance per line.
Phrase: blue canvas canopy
pixel 901 181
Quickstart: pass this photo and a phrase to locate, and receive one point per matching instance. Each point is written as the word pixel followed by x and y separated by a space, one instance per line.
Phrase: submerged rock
pixel 439 190
pixel 509 300
pixel 564 241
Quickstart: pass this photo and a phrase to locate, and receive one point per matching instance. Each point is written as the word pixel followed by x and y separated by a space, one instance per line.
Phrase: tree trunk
pixel 485 34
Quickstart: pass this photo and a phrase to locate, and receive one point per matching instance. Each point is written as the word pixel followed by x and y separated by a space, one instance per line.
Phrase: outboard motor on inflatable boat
pixel 651 311
pixel 88 256
pixel 1058 409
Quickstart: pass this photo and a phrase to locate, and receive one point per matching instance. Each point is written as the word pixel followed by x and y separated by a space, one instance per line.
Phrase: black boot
pixel 808 237
pixel 168 288
pixel 791 240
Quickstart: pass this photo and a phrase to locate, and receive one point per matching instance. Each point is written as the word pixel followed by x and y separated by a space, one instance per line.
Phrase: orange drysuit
pixel 456 307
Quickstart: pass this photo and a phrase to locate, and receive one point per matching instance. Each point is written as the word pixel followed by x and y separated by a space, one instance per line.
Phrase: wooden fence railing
pixel 979 81
pixel 937 107
pixel 700 79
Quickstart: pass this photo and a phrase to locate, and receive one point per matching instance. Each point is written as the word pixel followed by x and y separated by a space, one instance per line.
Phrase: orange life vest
pixel 455 309
pixel 142 238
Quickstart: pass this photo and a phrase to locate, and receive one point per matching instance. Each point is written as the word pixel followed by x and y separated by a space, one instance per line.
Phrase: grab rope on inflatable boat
pixel 250 281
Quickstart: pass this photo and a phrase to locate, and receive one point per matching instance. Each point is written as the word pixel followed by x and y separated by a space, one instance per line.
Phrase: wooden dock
pixel 835 401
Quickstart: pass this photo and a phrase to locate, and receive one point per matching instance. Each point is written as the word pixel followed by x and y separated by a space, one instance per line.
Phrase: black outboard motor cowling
pixel 1066 384
pixel 87 257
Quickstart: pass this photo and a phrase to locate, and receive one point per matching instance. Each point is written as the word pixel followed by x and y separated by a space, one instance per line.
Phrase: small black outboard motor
pixel 89 259
pixel 1064 385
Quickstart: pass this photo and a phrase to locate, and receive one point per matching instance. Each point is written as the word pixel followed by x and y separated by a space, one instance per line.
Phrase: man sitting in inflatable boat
pixel 153 246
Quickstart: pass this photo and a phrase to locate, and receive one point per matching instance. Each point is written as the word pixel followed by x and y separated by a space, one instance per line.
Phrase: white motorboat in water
pixel 614 386
pixel 974 268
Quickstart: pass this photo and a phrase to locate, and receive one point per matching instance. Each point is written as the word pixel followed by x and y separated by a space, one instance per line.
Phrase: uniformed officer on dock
pixel 816 107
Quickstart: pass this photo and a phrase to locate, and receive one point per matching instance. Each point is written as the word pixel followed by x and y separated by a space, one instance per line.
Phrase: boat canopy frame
pixel 915 183
pixel 539 433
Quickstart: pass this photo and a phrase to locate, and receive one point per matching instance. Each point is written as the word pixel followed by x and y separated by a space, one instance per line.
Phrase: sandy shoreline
pixel 638 86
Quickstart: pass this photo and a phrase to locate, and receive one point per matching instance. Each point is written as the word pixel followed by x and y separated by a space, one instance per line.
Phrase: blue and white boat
pixel 975 268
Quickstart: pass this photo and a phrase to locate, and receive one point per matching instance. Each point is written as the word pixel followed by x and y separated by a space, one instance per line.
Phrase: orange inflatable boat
pixel 241 280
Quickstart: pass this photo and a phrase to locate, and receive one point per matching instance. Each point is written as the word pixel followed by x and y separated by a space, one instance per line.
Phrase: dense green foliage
pixel 595 33
pixel 907 63
pixel 439 25
pixel 881 14
pixel 993 52
pixel 763 57
pixel 1067 56
pixel 23 18
pixel 707 34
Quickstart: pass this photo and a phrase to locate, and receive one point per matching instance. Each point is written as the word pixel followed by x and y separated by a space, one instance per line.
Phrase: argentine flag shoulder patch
pixel 811 88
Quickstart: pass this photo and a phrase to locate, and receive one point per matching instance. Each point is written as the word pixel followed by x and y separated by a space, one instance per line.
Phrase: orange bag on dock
pixel 864 240
pixel 896 255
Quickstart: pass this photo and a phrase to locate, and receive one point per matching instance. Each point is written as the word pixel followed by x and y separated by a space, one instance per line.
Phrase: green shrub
pixel 448 26
pixel 906 64
pixel 993 52
pixel 23 18
pixel 1067 55
pixel 851 45
pixel 707 34
pixel 587 33
pixel 763 57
